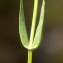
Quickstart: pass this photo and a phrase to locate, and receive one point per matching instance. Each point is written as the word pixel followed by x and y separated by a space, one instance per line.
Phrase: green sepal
pixel 38 34
pixel 22 27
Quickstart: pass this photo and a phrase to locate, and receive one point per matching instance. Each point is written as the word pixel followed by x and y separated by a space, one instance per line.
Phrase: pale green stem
pixel 29 56
pixel 32 30
pixel 33 22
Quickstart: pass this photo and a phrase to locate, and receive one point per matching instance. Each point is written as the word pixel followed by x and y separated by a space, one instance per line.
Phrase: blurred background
pixel 51 47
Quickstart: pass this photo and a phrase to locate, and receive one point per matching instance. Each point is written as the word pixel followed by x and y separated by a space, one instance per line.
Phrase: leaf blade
pixel 22 27
pixel 38 33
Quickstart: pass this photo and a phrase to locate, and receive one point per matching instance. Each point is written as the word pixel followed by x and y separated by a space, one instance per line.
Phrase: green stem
pixel 32 30
pixel 29 56
pixel 33 22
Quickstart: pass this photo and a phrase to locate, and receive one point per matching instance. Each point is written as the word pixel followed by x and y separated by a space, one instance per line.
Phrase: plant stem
pixel 32 30
pixel 33 22
pixel 29 56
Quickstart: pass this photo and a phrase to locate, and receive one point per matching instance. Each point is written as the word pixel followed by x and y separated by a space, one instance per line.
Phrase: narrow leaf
pixel 38 33
pixel 22 27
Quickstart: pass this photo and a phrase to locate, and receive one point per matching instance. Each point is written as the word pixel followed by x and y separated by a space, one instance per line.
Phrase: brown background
pixel 51 48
